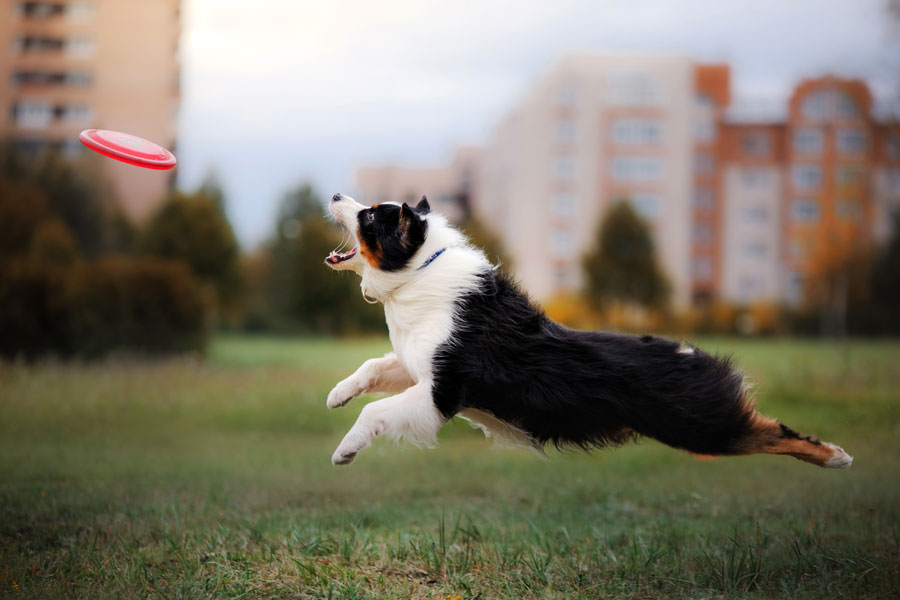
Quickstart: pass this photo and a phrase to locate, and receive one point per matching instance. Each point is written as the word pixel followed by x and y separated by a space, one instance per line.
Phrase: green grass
pixel 189 479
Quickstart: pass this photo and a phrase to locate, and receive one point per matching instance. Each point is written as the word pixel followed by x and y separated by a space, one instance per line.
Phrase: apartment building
pixel 746 202
pixel 805 188
pixel 68 65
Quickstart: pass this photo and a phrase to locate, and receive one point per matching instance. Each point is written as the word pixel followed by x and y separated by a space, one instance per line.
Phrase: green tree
pixel 886 283
pixel 623 265
pixel 488 241
pixel 303 292
pixel 191 228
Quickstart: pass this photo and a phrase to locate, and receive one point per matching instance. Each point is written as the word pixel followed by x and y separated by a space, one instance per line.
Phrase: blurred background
pixel 724 172
pixel 757 151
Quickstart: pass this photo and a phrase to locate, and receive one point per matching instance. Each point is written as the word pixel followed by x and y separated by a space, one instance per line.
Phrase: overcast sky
pixel 280 91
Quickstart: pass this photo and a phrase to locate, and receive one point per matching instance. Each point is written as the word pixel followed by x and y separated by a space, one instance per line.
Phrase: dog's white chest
pixel 416 333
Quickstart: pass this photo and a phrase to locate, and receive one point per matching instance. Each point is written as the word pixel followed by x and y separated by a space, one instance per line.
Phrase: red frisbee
pixel 128 149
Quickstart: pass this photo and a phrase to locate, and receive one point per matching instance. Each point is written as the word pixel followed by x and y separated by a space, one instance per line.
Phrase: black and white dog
pixel 467 342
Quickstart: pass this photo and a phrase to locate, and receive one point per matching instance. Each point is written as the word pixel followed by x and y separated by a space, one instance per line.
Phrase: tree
pixel 485 239
pixel 886 283
pixel 623 266
pixel 191 228
pixel 303 292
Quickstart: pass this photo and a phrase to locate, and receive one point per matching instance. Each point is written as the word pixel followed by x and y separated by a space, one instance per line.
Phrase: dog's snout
pixel 337 197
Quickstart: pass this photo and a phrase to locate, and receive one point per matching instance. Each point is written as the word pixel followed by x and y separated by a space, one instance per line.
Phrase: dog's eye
pixel 370 216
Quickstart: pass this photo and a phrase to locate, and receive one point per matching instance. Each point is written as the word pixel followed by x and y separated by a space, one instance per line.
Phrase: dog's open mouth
pixel 339 257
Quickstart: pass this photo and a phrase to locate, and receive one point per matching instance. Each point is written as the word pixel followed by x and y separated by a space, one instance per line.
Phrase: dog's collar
pixel 431 258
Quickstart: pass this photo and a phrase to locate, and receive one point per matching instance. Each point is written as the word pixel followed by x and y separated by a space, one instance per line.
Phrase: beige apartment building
pixel 70 65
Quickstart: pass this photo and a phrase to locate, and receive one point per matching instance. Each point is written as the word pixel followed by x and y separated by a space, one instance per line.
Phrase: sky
pixel 278 92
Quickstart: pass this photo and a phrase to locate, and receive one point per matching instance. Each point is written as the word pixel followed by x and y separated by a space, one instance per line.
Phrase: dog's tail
pixel 704 405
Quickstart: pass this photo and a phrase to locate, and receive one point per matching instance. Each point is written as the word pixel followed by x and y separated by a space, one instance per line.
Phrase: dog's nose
pixel 337 197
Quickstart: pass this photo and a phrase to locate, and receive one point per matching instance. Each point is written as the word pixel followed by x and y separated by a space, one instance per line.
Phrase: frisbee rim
pixel 92 138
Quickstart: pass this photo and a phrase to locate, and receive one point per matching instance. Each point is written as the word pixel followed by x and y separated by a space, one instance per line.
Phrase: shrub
pixel 91 309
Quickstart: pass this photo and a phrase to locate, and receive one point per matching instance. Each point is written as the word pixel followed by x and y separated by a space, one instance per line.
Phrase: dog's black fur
pixel 583 388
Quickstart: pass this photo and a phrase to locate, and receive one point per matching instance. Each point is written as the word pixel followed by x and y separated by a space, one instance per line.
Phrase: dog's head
pixel 387 235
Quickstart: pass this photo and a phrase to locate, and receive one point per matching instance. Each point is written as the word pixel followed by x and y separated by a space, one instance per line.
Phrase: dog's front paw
pixel 342 394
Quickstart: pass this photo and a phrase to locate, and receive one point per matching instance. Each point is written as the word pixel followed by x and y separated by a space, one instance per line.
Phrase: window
pixel 703 200
pixel 565 95
pixel 50 78
pixel 81 11
pixel 807 177
pixel 632 88
pixel 749 288
pixel 805 211
pixel 851 141
pixel 563 205
pixel 846 105
pixel 636 131
pixel 756 144
pixel 648 206
pixel 705 130
pixel 809 141
pixel 754 215
pixel 36 44
pixel 815 106
pixel 33 115
pixel 704 163
pixel 635 168
pixel 849 176
pixel 565 132
pixel 561 242
pixel 848 210
pixel 753 250
pixel 77 114
pixel 703 233
pixel 80 47
pixel 702 268
pixel 892 145
pixel 564 168
pixel 754 178
pixel 40 10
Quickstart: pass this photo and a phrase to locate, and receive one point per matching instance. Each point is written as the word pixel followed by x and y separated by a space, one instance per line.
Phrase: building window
pixel 754 178
pixel 851 141
pixel 36 44
pixel 702 268
pixel 646 205
pixel 809 141
pixel 805 211
pixel 807 177
pixel 50 78
pixel 40 10
pixel 751 215
pixel 636 168
pixel 565 95
pixel 703 200
pixel 564 132
pixel 77 114
pixel 80 47
pixel 756 144
pixel 704 163
pixel 848 210
pixel 749 288
pixel 846 105
pixel 636 131
pixel 705 130
pixel 849 176
pixel 563 205
pixel 703 233
pixel 753 250
pixel 815 106
pixel 80 12
pixel 564 168
pixel 33 115
pixel 632 88
pixel 892 145
pixel 561 242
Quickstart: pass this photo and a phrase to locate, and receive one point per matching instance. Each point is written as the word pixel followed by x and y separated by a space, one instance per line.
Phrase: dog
pixel 466 341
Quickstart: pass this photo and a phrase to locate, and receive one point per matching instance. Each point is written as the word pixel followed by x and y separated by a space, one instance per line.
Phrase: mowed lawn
pixel 184 478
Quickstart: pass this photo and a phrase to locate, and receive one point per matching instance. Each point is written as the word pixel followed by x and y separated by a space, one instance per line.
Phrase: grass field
pixel 189 479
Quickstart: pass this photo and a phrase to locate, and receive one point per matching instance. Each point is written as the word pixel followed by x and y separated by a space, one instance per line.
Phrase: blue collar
pixel 431 259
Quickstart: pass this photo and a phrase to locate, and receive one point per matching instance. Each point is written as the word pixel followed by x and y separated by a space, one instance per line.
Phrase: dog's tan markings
pixel 768 436
pixel 375 255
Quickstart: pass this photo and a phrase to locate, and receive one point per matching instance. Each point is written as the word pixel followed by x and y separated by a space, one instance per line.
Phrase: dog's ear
pixel 423 207
pixel 410 226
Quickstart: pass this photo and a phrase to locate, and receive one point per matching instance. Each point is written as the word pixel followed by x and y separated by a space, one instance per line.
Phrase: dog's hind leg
pixel 384 374
pixel 410 415
pixel 768 436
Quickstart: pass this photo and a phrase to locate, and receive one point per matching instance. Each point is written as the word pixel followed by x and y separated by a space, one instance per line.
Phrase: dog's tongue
pixel 336 257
